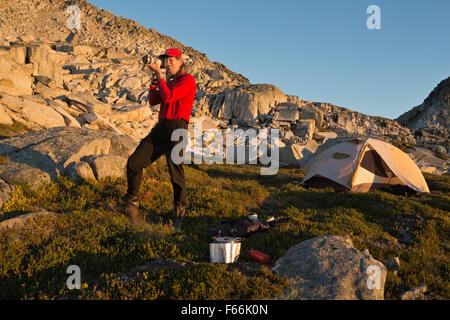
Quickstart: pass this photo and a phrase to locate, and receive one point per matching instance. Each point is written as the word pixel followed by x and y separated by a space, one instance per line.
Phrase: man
pixel 175 95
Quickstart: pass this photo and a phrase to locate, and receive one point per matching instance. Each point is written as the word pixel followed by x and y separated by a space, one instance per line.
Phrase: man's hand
pixel 155 69
pixel 155 79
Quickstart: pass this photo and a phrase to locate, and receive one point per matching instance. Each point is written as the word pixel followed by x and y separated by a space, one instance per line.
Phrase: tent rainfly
pixel 363 165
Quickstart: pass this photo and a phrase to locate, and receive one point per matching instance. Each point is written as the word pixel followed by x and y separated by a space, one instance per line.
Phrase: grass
pixel 16 128
pixel 34 258
pixel 442 156
pixel 3 160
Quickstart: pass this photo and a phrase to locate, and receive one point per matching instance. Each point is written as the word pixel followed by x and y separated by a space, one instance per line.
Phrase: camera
pixel 149 59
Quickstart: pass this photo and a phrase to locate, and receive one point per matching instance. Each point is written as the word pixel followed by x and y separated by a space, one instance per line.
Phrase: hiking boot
pixel 131 209
pixel 179 213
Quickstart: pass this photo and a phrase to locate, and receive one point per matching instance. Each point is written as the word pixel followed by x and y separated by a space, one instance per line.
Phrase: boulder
pixel 73 37
pixel 109 99
pixel 19 118
pixel 344 124
pixel 66 148
pixel 78 65
pixel 22 219
pixel 439 149
pixel 122 145
pixel 60 58
pixel 63 48
pixel 415 293
pixel 428 169
pixel 7 86
pixel 68 118
pixel 247 103
pixel 15 78
pixel 6 191
pixel 83 50
pixel 101 123
pixel 312 112
pixel 115 53
pixel 427 161
pixel 286 111
pixel 215 74
pixel 86 101
pixel 44 80
pixel 40 114
pixel 11 102
pixel 329 267
pixel 59 104
pixel 290 154
pixel 37 98
pixel 40 157
pixel 206 124
pixel 4 117
pixel 286 135
pixel 15 52
pixel 304 129
pixel 91 126
pixel 130 113
pixel 44 64
pixel 298 154
pixel 110 79
pixel 25 38
pixel 29 167
pixel 77 85
pixel 132 83
pixel 393 264
pixel 79 170
pixel 48 92
pixel 124 128
pixel 135 95
pixel 107 165
pixel 327 134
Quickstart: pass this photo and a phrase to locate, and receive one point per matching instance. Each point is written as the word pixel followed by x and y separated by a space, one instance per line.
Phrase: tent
pixel 363 165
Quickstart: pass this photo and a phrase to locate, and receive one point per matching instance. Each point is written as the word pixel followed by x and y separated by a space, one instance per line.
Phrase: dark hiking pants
pixel 153 146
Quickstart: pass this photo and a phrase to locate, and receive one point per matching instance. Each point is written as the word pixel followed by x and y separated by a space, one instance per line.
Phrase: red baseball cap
pixel 172 52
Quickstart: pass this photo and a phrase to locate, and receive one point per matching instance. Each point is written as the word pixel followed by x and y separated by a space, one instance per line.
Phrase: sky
pixel 319 50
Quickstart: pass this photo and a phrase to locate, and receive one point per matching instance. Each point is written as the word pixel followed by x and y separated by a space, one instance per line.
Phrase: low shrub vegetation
pixel 16 128
pixel 105 245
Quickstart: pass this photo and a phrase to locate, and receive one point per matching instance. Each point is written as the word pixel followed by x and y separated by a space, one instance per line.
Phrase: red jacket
pixel 176 97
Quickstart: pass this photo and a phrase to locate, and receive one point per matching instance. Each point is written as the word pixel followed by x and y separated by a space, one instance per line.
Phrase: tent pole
pixel 363 150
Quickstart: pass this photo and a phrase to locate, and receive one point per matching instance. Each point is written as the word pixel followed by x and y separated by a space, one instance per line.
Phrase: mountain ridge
pixel 104 58
pixel 52 25
pixel 433 115
pixel 99 27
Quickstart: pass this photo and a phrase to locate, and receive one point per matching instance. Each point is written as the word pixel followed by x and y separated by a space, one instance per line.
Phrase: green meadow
pixel 105 245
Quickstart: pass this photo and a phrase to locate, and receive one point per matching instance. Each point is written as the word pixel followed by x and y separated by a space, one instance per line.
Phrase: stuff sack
pixel 240 228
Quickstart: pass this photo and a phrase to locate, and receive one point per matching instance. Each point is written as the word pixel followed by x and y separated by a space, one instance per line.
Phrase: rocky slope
pixel 40 157
pixel 433 113
pixel 93 79
pixel 431 119
pixel 45 21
